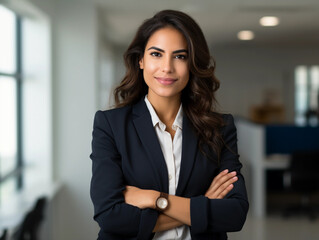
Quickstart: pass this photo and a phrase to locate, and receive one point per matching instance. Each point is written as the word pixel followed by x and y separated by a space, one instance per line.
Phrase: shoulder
pixel 112 117
pixel 228 124
pixel 123 113
pixel 225 120
pixel 114 113
pixel 228 119
pixel 229 130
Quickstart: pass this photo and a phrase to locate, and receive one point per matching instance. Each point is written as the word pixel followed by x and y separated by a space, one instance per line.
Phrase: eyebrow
pixel 161 50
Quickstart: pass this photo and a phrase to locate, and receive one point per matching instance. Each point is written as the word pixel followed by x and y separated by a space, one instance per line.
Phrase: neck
pixel 165 108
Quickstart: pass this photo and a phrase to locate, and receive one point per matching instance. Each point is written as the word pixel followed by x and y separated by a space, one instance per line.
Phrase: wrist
pixel 153 197
pixel 162 202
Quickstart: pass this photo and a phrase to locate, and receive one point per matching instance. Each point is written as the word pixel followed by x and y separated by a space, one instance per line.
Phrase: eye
pixel 181 56
pixel 156 54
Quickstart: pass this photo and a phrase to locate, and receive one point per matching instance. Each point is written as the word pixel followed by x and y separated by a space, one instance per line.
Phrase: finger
pixel 225 192
pixel 226 184
pixel 217 191
pixel 218 177
pixel 216 183
pixel 221 174
pixel 220 180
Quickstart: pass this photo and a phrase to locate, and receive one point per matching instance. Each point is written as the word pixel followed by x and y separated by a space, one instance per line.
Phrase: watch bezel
pixel 162 197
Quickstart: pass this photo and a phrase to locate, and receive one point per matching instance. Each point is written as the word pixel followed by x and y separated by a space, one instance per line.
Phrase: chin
pixel 168 95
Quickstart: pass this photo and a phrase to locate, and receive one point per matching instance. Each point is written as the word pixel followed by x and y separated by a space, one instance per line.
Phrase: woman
pixel 165 163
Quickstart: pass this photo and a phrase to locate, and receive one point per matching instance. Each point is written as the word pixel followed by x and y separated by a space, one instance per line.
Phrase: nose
pixel 167 64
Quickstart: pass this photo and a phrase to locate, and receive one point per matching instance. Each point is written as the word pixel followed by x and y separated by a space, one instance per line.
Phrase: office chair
pixel 4 235
pixel 28 230
pixel 304 180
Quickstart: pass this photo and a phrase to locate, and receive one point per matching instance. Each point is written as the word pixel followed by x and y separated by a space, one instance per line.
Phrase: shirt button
pixel 170 177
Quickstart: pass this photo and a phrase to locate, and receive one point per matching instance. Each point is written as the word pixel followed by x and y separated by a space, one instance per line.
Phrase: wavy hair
pixel 198 97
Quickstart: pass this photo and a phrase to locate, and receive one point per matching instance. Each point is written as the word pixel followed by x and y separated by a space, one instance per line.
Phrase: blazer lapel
pixel 147 135
pixel 189 149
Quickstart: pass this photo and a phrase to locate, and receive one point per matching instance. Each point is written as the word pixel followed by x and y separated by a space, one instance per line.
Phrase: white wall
pixel 119 70
pixel 105 75
pixel 245 72
pixel 75 60
pixel 110 72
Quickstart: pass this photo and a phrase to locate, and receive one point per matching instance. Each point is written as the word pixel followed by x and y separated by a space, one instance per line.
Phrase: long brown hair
pixel 198 97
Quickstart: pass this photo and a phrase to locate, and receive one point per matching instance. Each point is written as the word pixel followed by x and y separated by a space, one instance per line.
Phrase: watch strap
pixel 162 195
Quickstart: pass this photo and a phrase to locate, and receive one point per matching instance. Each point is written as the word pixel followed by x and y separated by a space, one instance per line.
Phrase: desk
pixel 257 144
pixel 251 147
pixel 276 162
pixel 16 207
pixel 259 168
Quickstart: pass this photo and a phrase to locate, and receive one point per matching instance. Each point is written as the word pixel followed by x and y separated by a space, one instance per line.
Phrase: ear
pixel 141 62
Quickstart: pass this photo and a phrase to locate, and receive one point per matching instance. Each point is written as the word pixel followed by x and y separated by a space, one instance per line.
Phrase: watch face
pixel 162 203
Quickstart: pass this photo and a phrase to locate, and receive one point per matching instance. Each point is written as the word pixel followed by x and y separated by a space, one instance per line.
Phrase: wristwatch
pixel 162 202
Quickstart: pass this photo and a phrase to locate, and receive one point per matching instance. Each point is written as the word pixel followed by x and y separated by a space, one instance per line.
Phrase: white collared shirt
pixel 172 152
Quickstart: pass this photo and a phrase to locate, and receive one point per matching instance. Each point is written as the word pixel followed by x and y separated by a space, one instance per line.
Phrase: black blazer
pixel 126 151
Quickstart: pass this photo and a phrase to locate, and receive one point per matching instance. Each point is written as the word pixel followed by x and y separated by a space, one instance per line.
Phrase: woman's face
pixel 164 64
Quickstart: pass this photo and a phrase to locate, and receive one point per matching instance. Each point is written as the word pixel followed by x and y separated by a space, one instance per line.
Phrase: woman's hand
pixel 165 223
pixel 140 198
pixel 221 185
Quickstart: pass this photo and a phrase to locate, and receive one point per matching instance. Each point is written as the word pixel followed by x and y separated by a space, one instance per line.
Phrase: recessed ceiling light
pixel 269 21
pixel 246 35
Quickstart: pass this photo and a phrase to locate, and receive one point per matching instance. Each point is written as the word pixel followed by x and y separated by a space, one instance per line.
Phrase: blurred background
pixel 60 60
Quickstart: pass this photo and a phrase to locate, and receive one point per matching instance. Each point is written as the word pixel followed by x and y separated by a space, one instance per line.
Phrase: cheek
pixel 182 68
pixel 185 82
pixel 150 67
pixel 185 79
pixel 185 74
pixel 148 74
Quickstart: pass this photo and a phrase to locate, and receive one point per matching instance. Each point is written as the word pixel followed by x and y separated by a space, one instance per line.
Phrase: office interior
pixel 72 59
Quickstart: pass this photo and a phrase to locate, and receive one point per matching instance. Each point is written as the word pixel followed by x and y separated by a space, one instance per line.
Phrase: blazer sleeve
pixel 228 214
pixel 107 184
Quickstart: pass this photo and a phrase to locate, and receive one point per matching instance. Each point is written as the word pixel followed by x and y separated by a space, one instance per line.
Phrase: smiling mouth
pixel 166 81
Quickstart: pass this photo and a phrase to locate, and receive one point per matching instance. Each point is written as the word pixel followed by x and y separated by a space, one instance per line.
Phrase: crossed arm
pixel 178 212
pixel 132 213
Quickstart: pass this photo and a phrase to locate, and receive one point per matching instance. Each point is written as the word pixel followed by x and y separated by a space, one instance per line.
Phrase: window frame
pixel 301 117
pixel 18 77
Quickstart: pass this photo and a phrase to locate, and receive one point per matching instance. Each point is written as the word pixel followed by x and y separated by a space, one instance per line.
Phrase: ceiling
pixel 220 20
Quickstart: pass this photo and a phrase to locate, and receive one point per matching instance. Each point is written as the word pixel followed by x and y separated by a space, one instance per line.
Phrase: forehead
pixel 167 38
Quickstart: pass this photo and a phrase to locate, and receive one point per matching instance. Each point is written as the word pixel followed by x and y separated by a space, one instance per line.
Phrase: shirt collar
pixel 178 122
pixel 155 119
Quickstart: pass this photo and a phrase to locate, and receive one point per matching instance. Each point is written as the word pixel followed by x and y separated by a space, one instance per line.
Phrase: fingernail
pixel 225 171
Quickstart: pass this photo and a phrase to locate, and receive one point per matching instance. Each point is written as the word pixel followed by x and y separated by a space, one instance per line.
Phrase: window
pixel 306 95
pixel 10 102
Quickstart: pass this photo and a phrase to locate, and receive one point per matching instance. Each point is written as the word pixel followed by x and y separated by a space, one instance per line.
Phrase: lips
pixel 166 81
